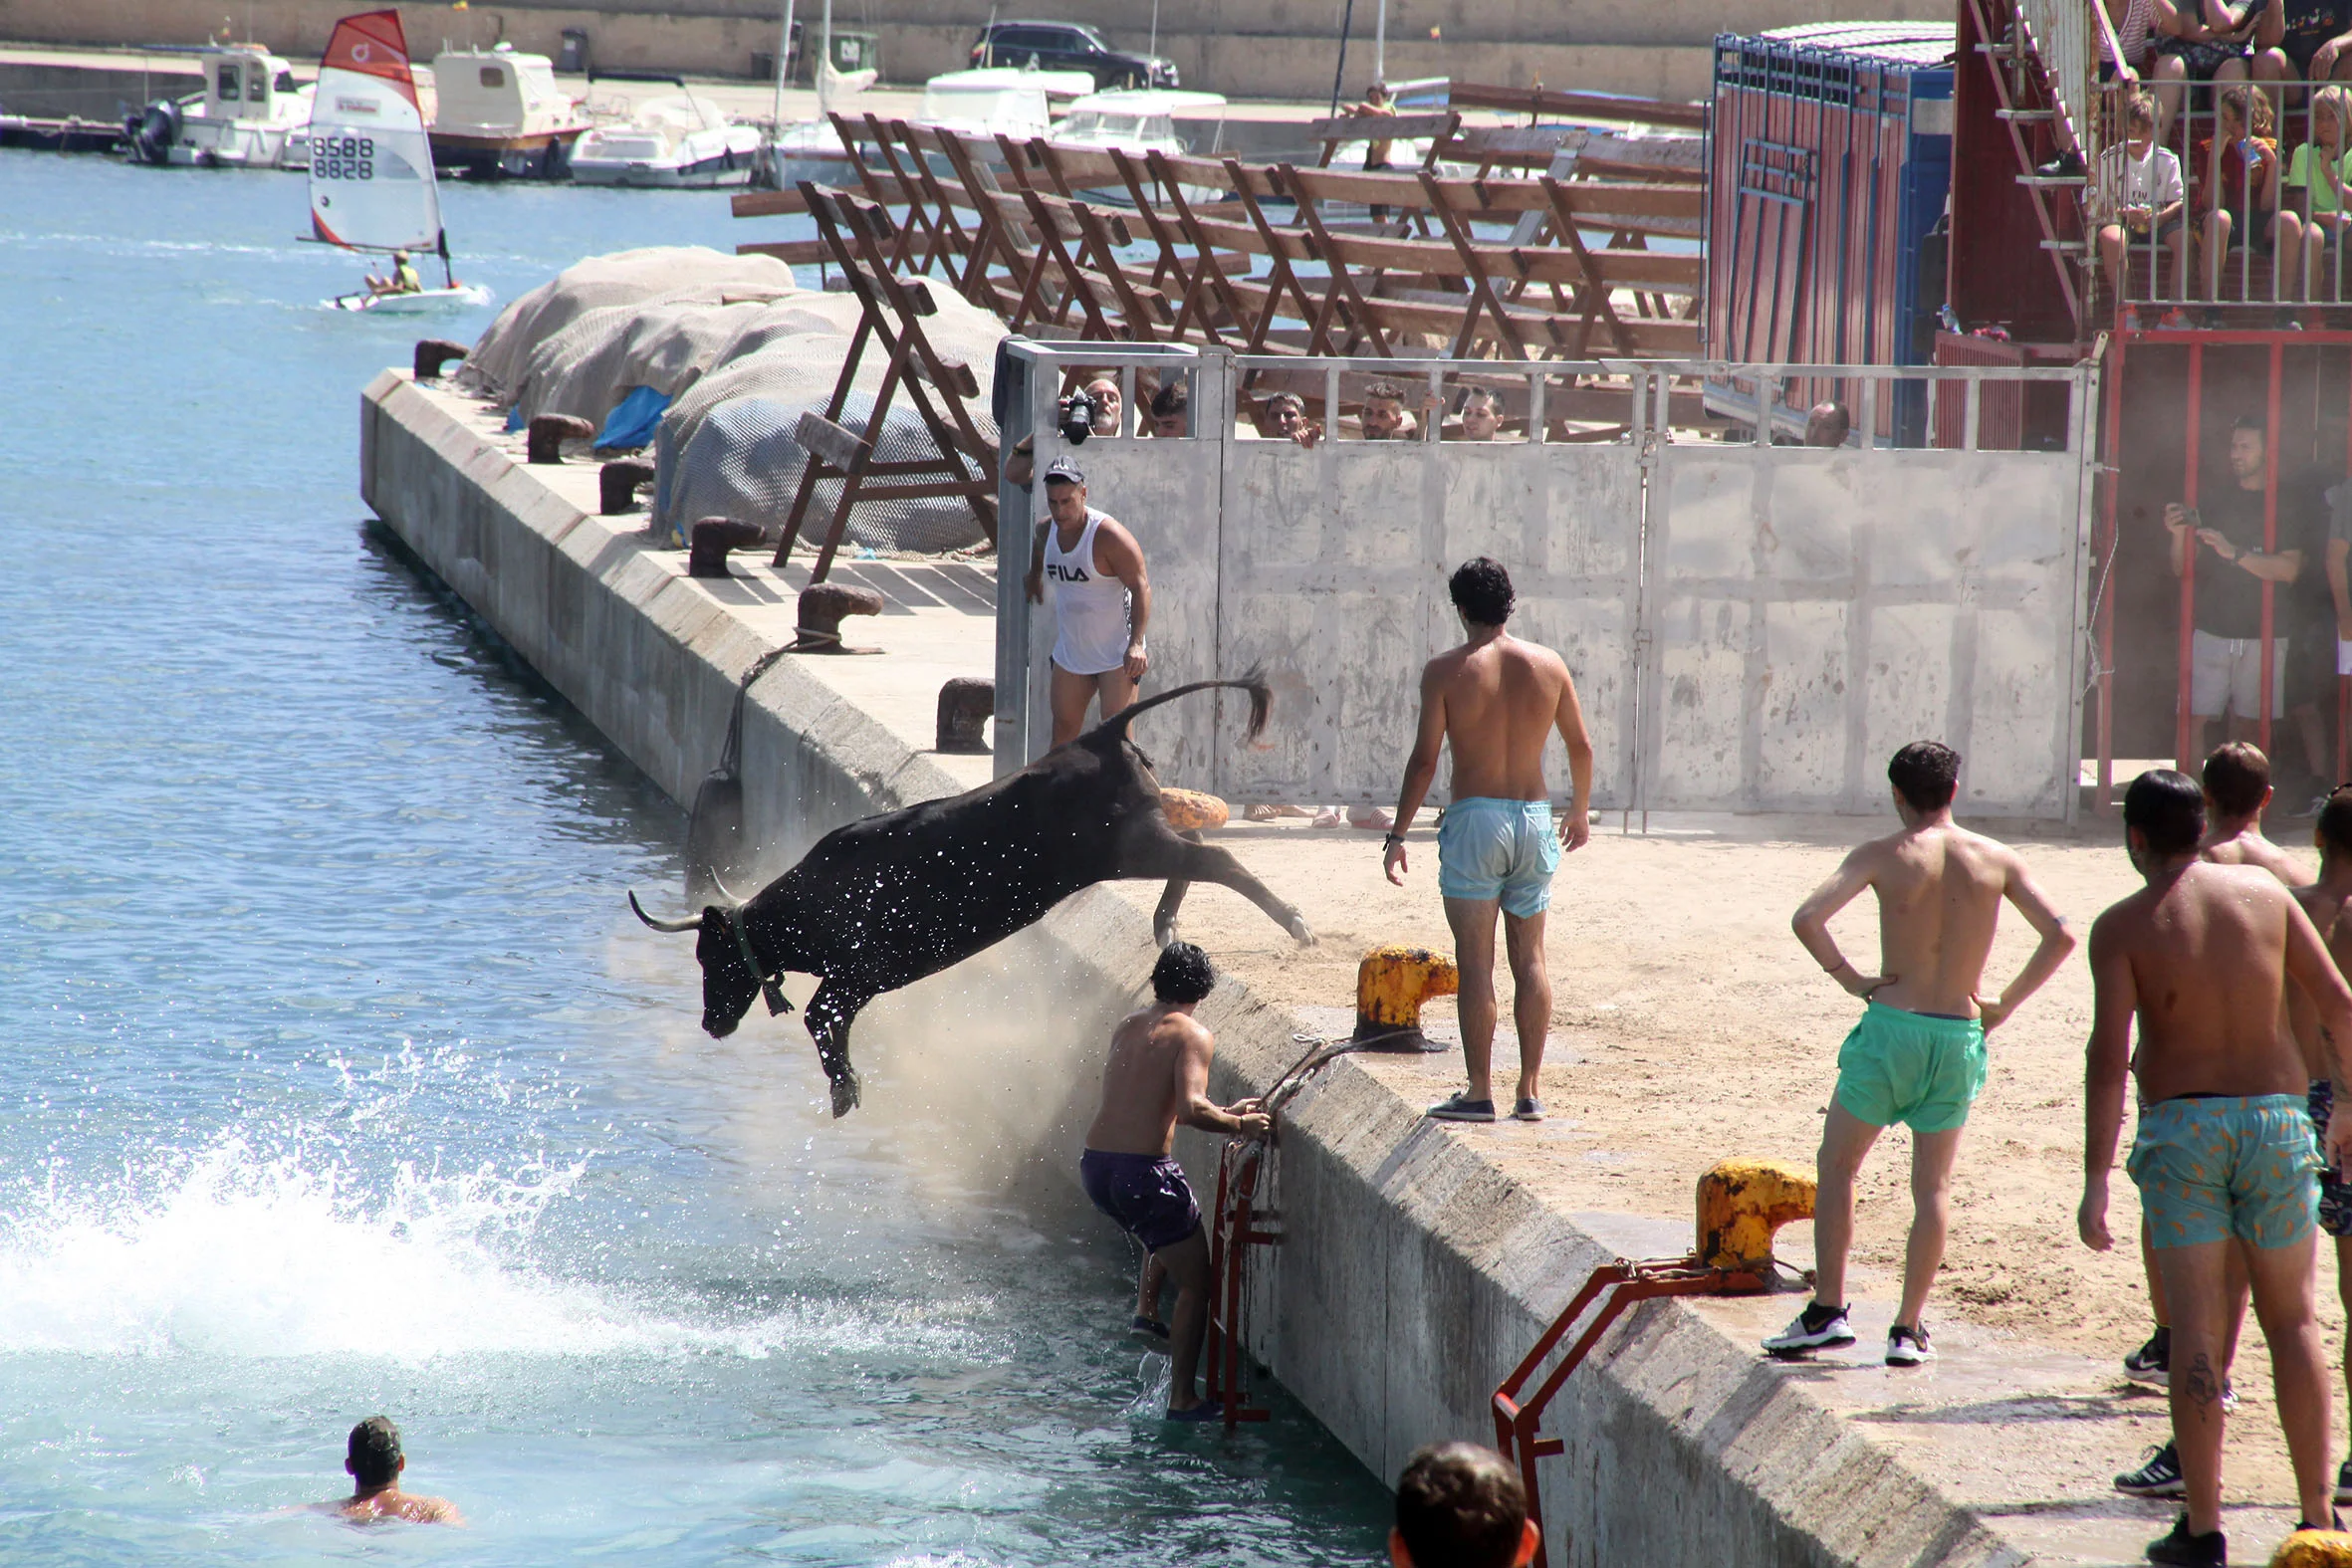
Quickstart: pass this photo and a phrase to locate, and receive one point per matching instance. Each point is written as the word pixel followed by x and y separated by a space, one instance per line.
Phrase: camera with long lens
pixel 1077 417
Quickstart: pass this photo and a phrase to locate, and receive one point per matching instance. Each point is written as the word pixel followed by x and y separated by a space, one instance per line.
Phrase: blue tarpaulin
pixel 633 421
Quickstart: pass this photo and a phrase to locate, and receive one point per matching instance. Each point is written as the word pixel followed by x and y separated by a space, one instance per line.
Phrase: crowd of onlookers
pixel 2223 175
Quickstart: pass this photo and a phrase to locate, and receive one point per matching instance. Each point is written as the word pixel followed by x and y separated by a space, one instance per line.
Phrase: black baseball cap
pixel 1061 471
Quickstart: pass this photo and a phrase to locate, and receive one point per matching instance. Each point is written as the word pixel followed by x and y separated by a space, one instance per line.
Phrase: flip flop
pixel 1207 1409
pixel 1150 1330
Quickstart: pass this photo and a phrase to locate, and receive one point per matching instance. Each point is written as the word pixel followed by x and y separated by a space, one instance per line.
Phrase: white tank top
pixel 1090 608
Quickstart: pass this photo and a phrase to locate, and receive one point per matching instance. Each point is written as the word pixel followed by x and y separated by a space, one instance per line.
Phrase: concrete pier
pixel 1418 1262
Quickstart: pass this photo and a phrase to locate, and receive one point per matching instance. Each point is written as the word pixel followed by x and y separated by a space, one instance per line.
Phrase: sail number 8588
pixel 343 157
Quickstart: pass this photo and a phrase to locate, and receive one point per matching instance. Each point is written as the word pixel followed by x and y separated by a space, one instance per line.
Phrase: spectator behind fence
pixel 1171 411
pixel 2224 538
pixel 2315 185
pixel 1459 1505
pixel 2238 191
pixel 1482 414
pixel 1109 412
pixel 374 1462
pixel 2143 32
pixel 1828 424
pixel 1285 416
pixel 2138 201
pixel 2307 612
pixel 2303 41
pixel 1384 417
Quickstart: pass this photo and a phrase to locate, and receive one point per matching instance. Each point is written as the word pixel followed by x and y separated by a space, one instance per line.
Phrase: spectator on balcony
pixel 2145 30
pixel 2231 566
pixel 1482 415
pixel 1384 416
pixel 1828 424
pixel 2138 201
pixel 2207 42
pixel 2315 179
pixel 1285 419
pixel 2303 41
pixel 2237 171
pixel 1171 411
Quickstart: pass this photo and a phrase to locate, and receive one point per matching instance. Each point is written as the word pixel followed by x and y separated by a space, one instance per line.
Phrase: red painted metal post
pixel 2343 682
pixel 2190 438
pixel 2269 543
pixel 2104 799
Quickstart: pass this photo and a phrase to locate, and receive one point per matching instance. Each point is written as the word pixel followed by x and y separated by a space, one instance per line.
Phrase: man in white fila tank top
pixel 1101 601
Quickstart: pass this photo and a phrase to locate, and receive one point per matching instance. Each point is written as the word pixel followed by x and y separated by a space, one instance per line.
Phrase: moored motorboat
pixel 677 141
pixel 502 114
pixel 999 99
pixel 251 114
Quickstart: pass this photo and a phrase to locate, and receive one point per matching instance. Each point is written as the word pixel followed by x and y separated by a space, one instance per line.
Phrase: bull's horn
pixel 733 897
pixel 662 925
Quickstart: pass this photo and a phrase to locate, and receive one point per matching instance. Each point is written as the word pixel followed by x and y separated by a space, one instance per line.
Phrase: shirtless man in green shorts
pixel 1918 1055
pixel 1494 701
pixel 2201 957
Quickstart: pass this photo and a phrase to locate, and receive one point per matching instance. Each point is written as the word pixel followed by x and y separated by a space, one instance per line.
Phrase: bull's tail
pixel 1261 702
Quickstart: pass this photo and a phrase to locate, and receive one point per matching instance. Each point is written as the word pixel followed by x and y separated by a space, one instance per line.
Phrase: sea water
pixel 334 1077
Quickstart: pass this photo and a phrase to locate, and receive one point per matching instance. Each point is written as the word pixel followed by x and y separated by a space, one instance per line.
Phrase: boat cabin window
pixel 285 82
pixel 256 84
pixel 493 77
pixel 231 75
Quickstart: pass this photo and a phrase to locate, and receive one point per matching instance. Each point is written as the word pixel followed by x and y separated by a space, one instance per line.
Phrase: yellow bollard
pixel 2314 1549
pixel 1390 986
pixel 1190 811
pixel 1741 1204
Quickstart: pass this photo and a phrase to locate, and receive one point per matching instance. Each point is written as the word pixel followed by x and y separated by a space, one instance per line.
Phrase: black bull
pixel 883 902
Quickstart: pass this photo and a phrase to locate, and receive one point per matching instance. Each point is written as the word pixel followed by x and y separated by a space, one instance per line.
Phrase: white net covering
pixel 658 275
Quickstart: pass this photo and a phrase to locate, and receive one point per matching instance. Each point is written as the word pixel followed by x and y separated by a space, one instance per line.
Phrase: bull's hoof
pixel 845 1095
pixel 1300 930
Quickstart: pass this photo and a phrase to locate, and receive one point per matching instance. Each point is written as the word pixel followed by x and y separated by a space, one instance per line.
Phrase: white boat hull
pixel 657 174
pixel 425 302
pixel 236 147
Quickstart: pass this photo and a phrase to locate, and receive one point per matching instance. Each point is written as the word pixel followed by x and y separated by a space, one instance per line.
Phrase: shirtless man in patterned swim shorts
pixel 2201 956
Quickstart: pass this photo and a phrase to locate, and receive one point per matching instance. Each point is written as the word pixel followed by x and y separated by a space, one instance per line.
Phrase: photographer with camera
pixel 1101 597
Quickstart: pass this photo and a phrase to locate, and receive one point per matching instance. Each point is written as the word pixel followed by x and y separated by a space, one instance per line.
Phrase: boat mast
pixel 825 61
pixel 448 277
pixel 1380 43
pixel 783 55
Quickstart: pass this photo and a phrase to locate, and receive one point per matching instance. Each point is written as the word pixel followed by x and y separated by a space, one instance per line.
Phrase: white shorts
pixel 2226 673
pixel 2343 657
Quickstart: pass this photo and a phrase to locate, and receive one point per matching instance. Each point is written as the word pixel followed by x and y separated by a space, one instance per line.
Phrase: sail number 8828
pixel 343 157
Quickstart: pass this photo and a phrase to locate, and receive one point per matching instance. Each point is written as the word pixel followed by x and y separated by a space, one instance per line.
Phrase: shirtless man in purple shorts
pixel 1156 1077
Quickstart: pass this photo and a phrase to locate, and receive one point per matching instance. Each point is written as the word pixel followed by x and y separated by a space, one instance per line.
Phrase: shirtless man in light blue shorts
pixel 1493 702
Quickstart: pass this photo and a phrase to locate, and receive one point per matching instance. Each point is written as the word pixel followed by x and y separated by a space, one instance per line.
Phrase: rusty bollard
pixel 966 704
pixel 1390 985
pixel 550 431
pixel 617 482
pixel 823 606
pixel 709 540
pixel 432 353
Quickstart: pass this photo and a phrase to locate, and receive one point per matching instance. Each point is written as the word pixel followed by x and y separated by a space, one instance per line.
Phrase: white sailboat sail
pixel 372 165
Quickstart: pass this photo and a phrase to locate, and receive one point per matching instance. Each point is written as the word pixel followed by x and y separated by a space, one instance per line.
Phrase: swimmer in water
pixel 1918 1055
pixel 1157 1075
pixel 376 1462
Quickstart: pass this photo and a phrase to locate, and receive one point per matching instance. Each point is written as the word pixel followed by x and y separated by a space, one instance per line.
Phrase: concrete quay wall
pixel 1413 1273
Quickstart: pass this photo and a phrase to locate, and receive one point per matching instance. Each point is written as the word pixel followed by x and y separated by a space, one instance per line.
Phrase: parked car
pixel 1066 46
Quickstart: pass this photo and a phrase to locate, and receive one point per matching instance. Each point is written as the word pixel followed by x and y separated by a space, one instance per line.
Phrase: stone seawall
pixel 1413 1272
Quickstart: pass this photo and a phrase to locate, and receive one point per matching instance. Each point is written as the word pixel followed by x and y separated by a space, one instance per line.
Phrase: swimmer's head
pixel 1926 773
pixel 1459 1504
pixel 2237 779
pixel 1481 591
pixel 2333 832
pixel 1183 974
pixel 375 1458
pixel 2166 810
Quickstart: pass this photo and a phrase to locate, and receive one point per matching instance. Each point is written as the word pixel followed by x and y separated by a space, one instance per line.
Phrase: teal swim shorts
pixel 2213 1167
pixel 1499 849
pixel 1898 1067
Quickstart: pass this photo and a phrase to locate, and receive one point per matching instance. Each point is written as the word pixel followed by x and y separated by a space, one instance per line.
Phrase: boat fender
pixel 434 353
pixel 549 432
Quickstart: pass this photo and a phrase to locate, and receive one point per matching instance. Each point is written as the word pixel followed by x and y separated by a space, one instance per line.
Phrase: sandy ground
pixel 1689 1026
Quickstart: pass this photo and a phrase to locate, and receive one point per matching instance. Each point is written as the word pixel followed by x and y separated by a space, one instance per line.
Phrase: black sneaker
pixel 2159 1477
pixel 2066 165
pixel 2195 1551
pixel 2152 1361
pixel 2335 1522
pixel 1908 1346
pixel 2344 1482
pixel 1817 1327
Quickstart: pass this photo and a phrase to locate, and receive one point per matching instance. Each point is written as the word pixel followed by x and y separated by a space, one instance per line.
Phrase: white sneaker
pixel 1817 1327
pixel 1908 1346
